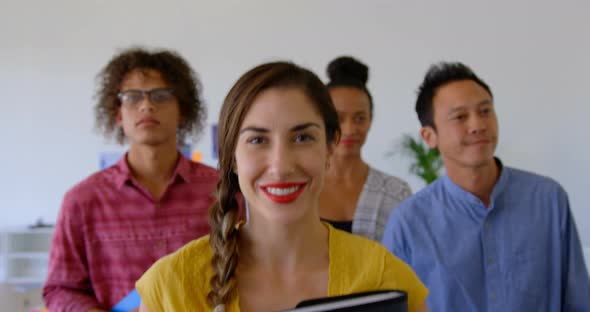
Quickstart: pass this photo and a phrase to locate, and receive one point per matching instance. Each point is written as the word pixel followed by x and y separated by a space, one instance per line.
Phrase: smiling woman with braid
pixel 277 129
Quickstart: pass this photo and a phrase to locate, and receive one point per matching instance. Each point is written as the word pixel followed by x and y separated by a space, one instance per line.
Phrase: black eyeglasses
pixel 157 96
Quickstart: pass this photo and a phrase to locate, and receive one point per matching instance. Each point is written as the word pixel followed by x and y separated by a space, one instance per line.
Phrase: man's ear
pixel 181 122
pixel 430 136
pixel 119 118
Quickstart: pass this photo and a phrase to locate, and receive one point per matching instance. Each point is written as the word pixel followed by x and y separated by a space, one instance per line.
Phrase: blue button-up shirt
pixel 522 253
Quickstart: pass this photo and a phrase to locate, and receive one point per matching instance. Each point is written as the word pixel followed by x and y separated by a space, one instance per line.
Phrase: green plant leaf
pixel 426 161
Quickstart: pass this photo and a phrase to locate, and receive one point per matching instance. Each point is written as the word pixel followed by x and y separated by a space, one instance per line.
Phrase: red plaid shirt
pixel 110 230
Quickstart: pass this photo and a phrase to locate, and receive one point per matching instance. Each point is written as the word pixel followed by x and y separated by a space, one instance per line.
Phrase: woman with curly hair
pixel 277 129
pixel 116 223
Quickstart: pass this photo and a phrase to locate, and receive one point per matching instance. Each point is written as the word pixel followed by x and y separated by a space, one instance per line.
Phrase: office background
pixel 534 54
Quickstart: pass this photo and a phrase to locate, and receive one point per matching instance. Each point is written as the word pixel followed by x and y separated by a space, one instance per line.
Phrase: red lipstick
pixel 348 142
pixel 283 193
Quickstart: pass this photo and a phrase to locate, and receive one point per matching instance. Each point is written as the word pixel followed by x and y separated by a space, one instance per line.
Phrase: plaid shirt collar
pixel 123 172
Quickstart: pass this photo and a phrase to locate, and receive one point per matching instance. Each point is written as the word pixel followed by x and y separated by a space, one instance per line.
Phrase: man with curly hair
pixel 116 223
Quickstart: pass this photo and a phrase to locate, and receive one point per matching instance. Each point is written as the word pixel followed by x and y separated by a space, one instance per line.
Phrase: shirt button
pixel 160 245
pixel 157 205
pixel 493 296
pixel 485 225
pixel 490 261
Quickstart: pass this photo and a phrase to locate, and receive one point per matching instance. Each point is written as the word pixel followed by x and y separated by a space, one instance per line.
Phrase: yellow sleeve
pixel 152 285
pixel 178 281
pixel 398 275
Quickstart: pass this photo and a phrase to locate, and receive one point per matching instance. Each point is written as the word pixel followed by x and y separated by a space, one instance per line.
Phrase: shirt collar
pixel 463 195
pixel 182 170
pixel 502 180
pixel 123 173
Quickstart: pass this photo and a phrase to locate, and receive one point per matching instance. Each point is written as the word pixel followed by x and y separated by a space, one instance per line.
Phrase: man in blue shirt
pixel 484 237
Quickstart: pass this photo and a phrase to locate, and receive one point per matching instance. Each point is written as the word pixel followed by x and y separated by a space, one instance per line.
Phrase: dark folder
pixel 374 301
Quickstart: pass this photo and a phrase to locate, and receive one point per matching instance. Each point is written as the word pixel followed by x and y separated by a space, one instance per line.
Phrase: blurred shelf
pixel 24 255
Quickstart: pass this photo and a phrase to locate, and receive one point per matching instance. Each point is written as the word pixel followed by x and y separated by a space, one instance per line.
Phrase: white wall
pixel 534 55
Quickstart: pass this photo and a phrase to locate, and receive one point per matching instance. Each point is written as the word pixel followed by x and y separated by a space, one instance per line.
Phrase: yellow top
pixel 180 281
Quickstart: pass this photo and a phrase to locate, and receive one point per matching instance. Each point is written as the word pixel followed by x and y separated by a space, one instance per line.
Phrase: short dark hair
pixel 437 76
pixel 175 71
pixel 346 71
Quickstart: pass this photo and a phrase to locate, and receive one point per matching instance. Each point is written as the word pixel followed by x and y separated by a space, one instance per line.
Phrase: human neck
pixel 347 168
pixel 285 248
pixel 479 181
pixel 152 163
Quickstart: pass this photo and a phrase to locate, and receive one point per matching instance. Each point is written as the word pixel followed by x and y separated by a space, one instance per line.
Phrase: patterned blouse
pixel 380 195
